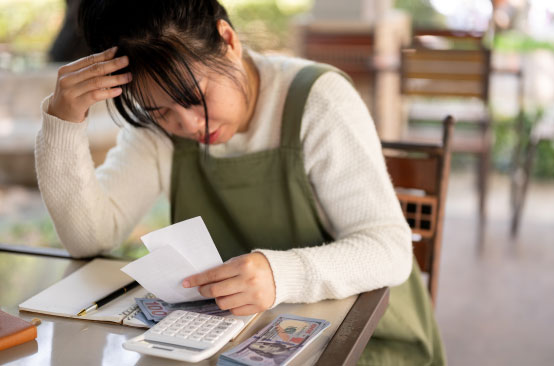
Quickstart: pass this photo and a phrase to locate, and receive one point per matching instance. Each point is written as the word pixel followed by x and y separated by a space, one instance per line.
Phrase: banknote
pixel 277 343
pixel 157 309
pixel 140 316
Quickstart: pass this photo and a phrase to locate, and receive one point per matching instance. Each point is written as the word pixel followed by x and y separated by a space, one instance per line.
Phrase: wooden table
pixel 64 341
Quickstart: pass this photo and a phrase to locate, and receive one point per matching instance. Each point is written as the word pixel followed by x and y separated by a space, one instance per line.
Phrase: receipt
pixel 173 250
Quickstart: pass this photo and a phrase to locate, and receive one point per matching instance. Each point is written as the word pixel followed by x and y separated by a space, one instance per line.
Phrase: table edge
pixel 350 339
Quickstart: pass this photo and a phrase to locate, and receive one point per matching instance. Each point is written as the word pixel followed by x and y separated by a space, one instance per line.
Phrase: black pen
pixel 106 299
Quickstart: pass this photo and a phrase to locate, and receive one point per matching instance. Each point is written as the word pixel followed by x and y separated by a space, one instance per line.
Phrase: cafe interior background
pixel 495 294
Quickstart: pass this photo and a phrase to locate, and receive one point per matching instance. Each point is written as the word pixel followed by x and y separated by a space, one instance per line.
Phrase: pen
pixel 106 299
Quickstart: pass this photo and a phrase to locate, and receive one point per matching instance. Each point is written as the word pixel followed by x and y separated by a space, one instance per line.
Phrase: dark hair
pixel 164 40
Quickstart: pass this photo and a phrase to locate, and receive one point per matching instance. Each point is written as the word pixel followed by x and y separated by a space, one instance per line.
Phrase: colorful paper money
pixel 157 309
pixel 276 344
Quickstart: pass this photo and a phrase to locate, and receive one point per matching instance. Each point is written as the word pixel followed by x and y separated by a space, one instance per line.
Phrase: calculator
pixel 186 336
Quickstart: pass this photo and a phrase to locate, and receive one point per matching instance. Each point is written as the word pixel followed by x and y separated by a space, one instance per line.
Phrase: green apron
pixel 264 200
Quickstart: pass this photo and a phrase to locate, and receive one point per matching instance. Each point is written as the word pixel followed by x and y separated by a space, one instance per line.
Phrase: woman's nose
pixel 190 119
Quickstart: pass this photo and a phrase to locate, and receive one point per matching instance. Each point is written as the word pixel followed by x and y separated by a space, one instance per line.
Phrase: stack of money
pixel 276 344
pixel 153 310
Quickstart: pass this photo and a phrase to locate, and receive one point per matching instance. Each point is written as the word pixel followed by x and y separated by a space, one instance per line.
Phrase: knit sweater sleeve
pixel 345 165
pixel 94 210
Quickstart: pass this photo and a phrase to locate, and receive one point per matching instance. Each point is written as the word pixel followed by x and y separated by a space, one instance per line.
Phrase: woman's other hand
pixel 244 285
pixel 86 81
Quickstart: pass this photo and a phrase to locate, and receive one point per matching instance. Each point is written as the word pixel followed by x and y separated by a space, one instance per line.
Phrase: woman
pixel 277 155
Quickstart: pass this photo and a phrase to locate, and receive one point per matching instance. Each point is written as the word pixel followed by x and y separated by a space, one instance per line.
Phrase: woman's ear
pixel 230 38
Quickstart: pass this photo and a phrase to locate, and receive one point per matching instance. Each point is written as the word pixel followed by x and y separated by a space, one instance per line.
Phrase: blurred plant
pixel 424 16
pixel 264 24
pixel 507 138
pixel 36 232
pixel 30 25
pixel 515 41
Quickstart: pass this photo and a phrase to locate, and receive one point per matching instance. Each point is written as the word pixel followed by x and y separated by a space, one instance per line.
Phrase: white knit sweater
pixel 95 210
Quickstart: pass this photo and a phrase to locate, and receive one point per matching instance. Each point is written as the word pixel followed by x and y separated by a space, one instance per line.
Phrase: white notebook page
pixel 83 287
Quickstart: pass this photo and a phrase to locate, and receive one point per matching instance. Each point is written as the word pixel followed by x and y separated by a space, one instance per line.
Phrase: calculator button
pixel 193 330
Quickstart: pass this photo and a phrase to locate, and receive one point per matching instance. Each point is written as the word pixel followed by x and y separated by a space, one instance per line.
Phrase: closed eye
pixel 156 112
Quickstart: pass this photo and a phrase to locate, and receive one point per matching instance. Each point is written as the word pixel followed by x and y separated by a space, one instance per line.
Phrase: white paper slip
pixel 162 272
pixel 191 238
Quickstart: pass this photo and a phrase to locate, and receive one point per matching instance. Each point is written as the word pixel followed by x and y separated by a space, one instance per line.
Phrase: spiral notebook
pixel 83 287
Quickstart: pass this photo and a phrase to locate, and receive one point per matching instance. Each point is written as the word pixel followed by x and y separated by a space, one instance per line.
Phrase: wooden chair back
pixel 446 64
pixel 419 173
pixel 350 50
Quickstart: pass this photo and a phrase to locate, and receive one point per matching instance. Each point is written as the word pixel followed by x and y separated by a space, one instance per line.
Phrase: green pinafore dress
pixel 264 200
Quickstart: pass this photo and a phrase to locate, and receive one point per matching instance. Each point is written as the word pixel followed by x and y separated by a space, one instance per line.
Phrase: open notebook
pixel 89 283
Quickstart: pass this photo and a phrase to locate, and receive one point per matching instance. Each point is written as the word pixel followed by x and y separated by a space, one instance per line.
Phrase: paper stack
pixel 173 250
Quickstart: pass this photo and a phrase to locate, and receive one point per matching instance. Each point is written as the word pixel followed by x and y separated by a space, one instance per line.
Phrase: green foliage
pixel 264 24
pixel 507 138
pixel 36 232
pixel 30 25
pixel 423 14
pixel 515 41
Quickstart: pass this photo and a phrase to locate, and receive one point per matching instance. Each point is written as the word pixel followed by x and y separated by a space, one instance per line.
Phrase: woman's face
pixel 227 110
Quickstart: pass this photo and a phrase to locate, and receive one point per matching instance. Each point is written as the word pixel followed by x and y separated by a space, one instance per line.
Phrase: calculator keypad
pixel 193 329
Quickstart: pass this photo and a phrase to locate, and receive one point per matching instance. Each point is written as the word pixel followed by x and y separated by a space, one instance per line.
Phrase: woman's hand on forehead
pixel 84 82
pixel 244 285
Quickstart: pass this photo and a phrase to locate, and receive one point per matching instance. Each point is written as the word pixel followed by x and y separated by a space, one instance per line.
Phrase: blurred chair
pixel 419 173
pixel 543 130
pixel 350 50
pixel 446 70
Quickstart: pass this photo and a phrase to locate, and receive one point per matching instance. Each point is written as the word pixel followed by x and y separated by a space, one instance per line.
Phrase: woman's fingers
pixel 94 71
pixel 243 284
pixel 246 310
pixel 219 273
pixel 86 81
pixel 238 304
pixel 232 301
pixel 101 82
pixel 88 60
pixel 226 287
pixel 99 94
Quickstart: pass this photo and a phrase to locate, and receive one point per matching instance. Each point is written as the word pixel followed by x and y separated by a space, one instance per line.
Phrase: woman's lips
pixel 212 137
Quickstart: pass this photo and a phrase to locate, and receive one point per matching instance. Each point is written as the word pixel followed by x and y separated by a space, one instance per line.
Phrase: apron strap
pixel 295 102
